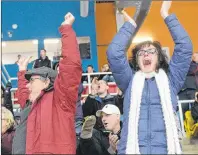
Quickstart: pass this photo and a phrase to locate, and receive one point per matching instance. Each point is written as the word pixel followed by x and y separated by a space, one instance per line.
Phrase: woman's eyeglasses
pixel 150 51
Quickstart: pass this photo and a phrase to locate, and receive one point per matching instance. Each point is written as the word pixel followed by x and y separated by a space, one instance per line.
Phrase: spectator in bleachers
pixel 2 94
pixel 101 142
pixel 43 61
pixel 191 84
pixel 48 101
pixel 8 122
pixel 7 102
pixel 79 113
pixel 7 97
pixel 150 88
pixel 194 109
pixel 97 100
pixel 194 64
pixel 18 57
pixel 107 77
pixel 90 69
pixel 7 130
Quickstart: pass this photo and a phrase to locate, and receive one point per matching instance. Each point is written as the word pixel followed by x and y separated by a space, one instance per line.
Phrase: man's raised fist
pixel 69 19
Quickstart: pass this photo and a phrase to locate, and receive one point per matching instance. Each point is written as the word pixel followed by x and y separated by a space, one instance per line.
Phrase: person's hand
pixel 165 8
pixel 119 92
pixel 94 86
pixel 128 18
pixel 23 62
pixel 94 89
pixel 83 100
pixel 95 80
pixel 196 99
pixel 113 141
pixel 69 19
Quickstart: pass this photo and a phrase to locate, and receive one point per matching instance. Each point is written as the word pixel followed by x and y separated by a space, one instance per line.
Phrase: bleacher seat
pixel 86 90
pixel 112 88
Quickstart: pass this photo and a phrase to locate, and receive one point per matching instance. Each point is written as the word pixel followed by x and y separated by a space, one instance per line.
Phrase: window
pixel 25 48
pixel 84 47
pixel 53 47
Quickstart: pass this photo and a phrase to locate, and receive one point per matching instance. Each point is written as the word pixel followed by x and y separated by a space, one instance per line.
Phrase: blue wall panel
pixel 40 20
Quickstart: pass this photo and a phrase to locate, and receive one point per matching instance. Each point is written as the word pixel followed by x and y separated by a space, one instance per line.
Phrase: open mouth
pixel 146 62
pixel 105 124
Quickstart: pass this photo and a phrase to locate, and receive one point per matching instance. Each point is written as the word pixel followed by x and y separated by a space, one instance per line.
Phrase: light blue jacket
pixel 151 129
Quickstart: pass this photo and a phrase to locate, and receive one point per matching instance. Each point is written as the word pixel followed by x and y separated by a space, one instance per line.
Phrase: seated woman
pixel 7 130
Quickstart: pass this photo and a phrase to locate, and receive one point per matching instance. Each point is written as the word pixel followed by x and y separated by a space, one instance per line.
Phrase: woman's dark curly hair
pixel 162 57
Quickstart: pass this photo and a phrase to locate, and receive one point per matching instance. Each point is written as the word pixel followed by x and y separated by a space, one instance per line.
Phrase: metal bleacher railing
pixel 180 102
pixel 6 78
pixel 86 85
pixel 89 81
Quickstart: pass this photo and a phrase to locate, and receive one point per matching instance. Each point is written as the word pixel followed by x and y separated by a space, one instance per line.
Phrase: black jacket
pixel 97 145
pixel 191 83
pixel 7 140
pixel 194 112
pixel 95 103
pixel 42 62
pixel 7 103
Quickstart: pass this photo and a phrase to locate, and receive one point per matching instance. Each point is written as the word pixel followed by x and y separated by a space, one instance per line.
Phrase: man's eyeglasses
pixel 33 79
pixel 150 51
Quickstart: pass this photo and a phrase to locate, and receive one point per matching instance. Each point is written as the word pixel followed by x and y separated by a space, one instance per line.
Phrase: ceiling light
pixel 35 41
pixel 14 26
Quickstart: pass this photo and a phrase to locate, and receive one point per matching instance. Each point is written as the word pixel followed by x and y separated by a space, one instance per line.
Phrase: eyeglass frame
pixel 40 78
pixel 147 51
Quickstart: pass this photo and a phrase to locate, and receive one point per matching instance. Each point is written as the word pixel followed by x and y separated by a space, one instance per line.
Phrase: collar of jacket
pixel 108 96
pixel 106 132
pixel 50 87
pixel 46 58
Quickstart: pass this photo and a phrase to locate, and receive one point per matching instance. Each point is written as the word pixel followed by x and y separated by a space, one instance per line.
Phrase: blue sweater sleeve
pixel 116 55
pixel 181 59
